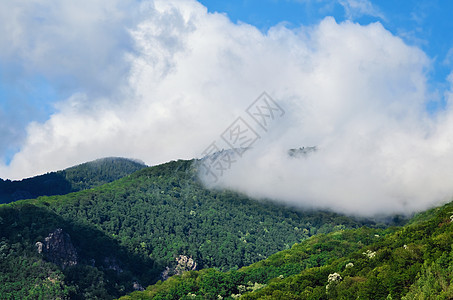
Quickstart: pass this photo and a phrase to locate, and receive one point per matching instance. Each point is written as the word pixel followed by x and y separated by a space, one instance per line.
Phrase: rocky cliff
pixel 58 248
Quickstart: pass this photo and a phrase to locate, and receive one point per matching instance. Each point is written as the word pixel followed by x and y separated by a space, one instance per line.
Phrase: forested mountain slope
pixel 124 234
pixel 77 178
pixel 410 262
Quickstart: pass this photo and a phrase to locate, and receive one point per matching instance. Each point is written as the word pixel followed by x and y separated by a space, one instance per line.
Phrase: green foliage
pixel 164 211
pixel 143 221
pixel 99 172
pixel 279 268
pixel 410 262
pixel 29 277
pixel 81 177
pixel 25 272
pixel 413 262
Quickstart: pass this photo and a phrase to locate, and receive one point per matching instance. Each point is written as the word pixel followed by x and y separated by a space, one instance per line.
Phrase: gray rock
pixel 58 248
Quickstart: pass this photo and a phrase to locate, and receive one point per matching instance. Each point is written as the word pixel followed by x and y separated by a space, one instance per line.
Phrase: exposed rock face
pixel 58 248
pixel 184 264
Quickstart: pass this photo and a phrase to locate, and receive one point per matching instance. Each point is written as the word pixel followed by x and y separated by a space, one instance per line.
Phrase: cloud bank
pixel 165 84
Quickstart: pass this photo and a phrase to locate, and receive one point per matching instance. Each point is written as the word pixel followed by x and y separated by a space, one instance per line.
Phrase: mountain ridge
pixel 149 219
pixel 414 261
pixel 80 177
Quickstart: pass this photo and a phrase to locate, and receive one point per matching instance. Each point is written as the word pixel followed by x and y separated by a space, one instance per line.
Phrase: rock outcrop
pixel 58 249
pixel 183 264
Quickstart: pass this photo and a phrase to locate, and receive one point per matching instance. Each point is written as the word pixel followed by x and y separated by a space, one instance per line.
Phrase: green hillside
pixel 410 262
pixel 77 178
pixel 126 233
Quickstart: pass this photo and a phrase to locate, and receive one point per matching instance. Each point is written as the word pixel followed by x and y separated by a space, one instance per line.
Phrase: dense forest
pixel 130 233
pixel 74 179
pixel 410 262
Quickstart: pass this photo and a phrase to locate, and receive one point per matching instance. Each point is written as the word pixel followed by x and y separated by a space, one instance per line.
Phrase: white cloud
pixel 358 8
pixel 71 46
pixel 361 101
pixel 357 92
pixel 448 60
pixel 75 44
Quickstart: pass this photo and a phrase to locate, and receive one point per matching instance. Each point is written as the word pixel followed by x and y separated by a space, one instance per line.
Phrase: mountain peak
pixel 80 177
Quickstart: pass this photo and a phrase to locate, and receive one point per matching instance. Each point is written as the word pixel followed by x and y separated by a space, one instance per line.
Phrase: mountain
pixel 414 261
pixel 77 178
pixel 110 240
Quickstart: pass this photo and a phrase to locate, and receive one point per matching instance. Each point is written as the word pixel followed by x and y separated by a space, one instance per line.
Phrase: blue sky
pixel 23 100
